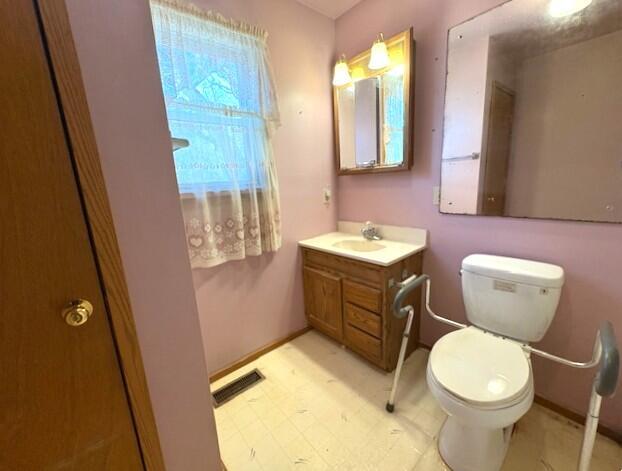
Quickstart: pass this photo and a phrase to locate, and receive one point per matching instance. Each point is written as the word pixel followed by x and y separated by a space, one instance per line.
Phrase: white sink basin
pixel 358 245
pixel 397 243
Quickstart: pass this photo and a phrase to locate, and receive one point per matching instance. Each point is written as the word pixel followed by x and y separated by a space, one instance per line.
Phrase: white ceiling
pixel 331 8
pixel 525 29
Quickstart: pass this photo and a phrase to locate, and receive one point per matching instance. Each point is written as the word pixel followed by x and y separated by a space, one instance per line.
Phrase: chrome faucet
pixel 370 232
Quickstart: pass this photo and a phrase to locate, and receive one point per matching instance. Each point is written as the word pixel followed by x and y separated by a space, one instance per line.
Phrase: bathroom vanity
pixel 350 283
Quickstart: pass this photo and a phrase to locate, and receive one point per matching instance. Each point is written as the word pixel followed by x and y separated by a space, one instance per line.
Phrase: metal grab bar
pixel 406 287
pixel 471 156
pixel 608 375
pixel 400 312
pixel 605 346
pixel 605 384
pixel 596 354
pixel 605 353
pixel 436 316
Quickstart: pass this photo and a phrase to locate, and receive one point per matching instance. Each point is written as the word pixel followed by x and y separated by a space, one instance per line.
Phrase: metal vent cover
pixel 237 386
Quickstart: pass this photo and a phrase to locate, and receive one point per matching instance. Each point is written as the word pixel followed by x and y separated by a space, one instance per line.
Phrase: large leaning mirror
pixel 533 112
pixel 373 112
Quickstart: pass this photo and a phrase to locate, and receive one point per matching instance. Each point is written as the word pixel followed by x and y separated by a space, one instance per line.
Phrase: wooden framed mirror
pixel 373 113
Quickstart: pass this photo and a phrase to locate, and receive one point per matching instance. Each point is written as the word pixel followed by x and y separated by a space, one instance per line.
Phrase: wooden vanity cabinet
pixel 323 301
pixel 351 302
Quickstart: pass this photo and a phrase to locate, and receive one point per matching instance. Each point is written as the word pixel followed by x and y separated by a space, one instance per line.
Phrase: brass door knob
pixel 77 312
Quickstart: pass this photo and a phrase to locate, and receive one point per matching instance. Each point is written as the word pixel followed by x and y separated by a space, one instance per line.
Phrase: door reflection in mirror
pixel 533 113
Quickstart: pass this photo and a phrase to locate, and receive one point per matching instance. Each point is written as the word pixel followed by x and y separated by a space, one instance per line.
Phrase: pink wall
pixel 247 304
pixel 590 253
pixel 115 45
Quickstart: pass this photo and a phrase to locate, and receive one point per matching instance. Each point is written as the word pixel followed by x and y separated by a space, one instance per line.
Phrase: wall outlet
pixel 326 195
pixel 436 195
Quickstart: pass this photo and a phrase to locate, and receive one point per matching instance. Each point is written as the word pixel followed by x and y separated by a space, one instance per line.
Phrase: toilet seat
pixel 480 369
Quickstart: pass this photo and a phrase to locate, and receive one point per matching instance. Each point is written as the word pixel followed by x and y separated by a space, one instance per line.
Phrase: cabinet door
pixel 323 301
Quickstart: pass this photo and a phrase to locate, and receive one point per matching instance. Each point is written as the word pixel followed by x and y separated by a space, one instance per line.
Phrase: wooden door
pixel 63 403
pixel 323 301
pixel 498 149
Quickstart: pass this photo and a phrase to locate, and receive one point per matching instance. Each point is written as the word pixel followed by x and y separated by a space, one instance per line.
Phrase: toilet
pixel 480 375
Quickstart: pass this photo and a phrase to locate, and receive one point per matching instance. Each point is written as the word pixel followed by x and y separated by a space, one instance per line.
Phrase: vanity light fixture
pixel 379 55
pixel 341 75
pixel 561 8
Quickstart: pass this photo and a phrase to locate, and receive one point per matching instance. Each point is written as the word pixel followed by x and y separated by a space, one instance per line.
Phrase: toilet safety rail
pixel 406 287
pixel 605 353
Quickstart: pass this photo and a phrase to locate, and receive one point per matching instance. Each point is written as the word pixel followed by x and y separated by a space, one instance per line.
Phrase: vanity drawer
pixel 363 343
pixel 364 320
pixel 362 296
pixel 344 266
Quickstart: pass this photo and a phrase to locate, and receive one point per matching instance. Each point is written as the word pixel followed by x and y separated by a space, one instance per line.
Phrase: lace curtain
pixel 220 95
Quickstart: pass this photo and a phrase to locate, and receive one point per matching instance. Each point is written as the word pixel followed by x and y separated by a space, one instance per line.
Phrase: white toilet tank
pixel 510 296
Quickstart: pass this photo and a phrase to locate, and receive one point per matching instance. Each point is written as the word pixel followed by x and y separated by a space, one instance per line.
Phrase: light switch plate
pixel 326 195
pixel 436 195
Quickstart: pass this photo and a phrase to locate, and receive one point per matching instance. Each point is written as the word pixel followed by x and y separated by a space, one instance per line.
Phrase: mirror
pixel 373 122
pixel 358 132
pixel 533 112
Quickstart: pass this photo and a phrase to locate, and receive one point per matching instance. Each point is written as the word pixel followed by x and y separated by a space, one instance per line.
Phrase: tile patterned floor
pixel 321 407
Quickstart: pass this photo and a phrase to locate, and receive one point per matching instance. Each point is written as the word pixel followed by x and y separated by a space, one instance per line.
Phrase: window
pixel 219 95
pixel 217 88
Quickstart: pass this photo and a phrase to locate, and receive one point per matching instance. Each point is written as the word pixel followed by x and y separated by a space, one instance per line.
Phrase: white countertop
pixel 413 241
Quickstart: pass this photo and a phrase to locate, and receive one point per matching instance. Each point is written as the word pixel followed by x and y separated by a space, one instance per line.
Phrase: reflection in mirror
pixel 533 113
pixel 373 112
pixel 371 130
pixel 366 109
pixel 393 116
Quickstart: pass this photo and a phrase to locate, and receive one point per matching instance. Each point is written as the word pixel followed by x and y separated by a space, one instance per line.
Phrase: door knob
pixel 77 312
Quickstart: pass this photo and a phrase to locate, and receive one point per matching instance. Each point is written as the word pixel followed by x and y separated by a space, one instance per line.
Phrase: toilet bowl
pixel 481 375
pixel 484 384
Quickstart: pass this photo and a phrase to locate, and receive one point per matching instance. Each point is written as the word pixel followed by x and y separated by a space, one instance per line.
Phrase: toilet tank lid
pixel 517 270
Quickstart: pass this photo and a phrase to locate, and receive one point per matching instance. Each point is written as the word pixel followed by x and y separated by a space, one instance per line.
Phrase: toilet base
pixel 465 448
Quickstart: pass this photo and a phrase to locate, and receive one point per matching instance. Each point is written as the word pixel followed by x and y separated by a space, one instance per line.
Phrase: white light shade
pixel 341 75
pixel 561 8
pixel 379 55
